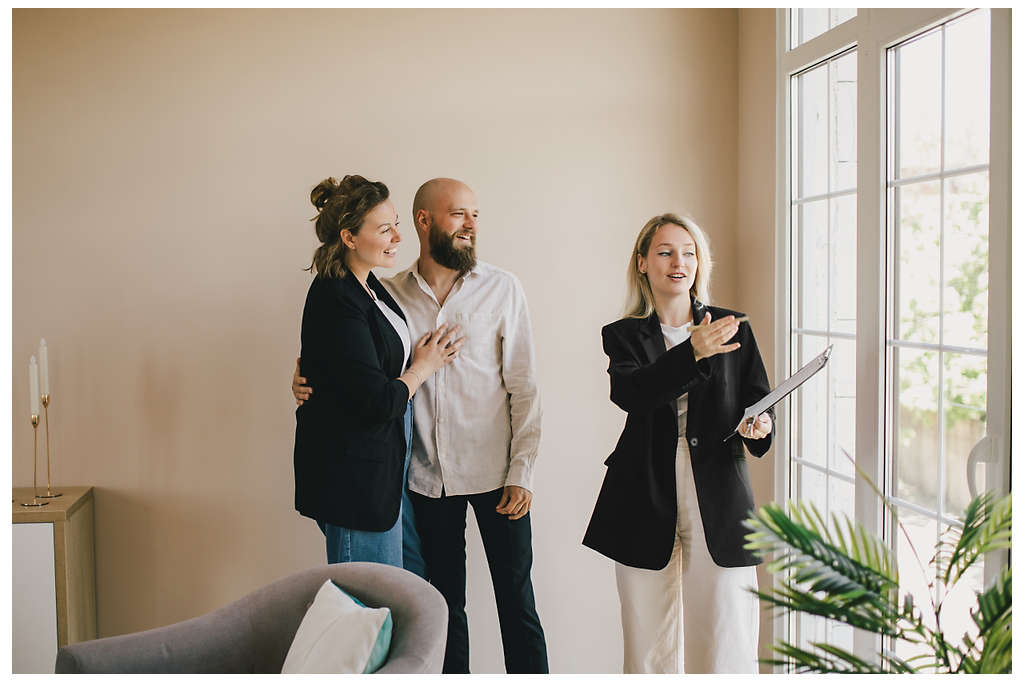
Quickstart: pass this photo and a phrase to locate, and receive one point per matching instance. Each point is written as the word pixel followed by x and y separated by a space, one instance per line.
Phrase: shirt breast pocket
pixel 483 337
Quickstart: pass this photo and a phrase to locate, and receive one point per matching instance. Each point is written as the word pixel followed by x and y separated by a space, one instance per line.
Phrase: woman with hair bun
pixel 353 433
pixel 675 494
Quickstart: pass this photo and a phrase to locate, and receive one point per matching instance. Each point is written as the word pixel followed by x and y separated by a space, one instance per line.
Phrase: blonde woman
pixel 675 494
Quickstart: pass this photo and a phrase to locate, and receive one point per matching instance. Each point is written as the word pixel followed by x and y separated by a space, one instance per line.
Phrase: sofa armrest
pixel 212 643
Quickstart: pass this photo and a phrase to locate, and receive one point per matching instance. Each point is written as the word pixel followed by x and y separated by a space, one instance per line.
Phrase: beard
pixel 444 251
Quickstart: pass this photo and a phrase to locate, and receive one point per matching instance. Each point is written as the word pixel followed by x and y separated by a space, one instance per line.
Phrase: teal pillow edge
pixel 381 647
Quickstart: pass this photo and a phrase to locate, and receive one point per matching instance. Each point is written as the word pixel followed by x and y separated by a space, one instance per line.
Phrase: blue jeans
pixel 397 546
pixel 412 554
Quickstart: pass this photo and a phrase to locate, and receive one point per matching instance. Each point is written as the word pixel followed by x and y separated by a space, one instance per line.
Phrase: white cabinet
pixel 34 602
pixel 53 577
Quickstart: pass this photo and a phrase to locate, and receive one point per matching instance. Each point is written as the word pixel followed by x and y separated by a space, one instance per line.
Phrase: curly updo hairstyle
pixel 342 206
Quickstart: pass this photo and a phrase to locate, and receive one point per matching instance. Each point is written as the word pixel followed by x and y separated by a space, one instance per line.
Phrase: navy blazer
pixel 634 520
pixel 349 435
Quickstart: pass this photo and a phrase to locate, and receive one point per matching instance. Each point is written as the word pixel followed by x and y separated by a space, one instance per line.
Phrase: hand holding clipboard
pixel 785 388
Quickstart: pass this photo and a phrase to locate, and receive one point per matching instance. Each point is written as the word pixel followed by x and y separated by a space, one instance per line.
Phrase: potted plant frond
pixel 840 572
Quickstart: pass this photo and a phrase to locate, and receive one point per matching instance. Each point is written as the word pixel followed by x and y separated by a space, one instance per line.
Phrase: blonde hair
pixel 640 299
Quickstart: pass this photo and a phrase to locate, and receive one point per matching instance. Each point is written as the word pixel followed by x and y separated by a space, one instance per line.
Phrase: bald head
pixel 434 195
pixel 445 214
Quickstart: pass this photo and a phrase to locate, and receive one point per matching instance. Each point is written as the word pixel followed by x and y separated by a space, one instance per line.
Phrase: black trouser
pixel 442 526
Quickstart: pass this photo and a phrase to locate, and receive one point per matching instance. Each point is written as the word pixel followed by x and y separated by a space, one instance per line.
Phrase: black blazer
pixel 349 436
pixel 634 520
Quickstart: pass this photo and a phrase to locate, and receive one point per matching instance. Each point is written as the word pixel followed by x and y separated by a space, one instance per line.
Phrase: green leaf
pixel 838 571
pixel 823 660
pixel 802 542
pixel 987 527
pixel 991 650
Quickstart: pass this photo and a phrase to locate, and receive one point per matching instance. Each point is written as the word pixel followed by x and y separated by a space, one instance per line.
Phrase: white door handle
pixel 981 452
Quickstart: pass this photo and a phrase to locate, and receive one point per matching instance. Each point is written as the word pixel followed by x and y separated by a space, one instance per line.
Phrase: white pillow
pixel 337 635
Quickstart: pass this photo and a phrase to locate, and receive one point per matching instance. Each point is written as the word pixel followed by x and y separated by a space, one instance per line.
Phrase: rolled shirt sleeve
pixel 519 372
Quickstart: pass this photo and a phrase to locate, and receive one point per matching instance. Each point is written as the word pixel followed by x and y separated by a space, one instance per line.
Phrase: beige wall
pixel 755 222
pixel 162 162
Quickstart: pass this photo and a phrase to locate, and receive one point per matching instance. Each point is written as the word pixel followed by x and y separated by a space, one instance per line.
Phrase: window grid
pixel 811 628
pixel 801 332
pixel 872 34
pixel 893 343
pixel 828 195
pixel 799 21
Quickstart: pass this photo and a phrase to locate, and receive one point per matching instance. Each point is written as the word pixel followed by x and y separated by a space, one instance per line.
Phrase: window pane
pixel 843 377
pixel 918 227
pixel 813 488
pixel 841 635
pixel 844 265
pixel 843 91
pixel 838 16
pixel 919 105
pixel 915 575
pixel 812 401
pixel 967 90
pixel 965 255
pixel 840 498
pixel 812 237
pixel 810 23
pixel 966 384
pixel 917 434
pixel 812 629
pixel 960 601
pixel 812 139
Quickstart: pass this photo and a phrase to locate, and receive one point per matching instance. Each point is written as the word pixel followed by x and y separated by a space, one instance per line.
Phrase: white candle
pixel 33 386
pixel 44 368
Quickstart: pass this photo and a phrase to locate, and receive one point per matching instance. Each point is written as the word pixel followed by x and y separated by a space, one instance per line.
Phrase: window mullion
pixel 870 347
pixel 1000 312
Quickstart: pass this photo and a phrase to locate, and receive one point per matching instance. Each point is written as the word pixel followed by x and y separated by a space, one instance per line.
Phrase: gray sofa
pixel 253 634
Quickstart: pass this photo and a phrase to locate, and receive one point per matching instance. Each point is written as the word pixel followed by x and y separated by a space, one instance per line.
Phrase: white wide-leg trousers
pixel 692 615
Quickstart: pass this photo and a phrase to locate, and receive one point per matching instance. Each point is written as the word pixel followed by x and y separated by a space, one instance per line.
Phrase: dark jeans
pixel 507 544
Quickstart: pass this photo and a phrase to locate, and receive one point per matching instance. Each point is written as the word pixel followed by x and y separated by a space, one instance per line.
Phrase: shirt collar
pixel 413 271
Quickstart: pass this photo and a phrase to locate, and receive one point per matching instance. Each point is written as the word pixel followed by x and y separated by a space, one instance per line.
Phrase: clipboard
pixel 785 388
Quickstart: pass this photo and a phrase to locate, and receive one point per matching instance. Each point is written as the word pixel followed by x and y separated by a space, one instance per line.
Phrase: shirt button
pixel 693 442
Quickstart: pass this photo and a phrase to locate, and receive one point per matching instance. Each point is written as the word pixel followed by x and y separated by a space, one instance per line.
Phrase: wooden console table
pixel 53 576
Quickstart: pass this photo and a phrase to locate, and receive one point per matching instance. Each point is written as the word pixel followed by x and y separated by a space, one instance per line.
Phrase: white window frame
pixel 872 32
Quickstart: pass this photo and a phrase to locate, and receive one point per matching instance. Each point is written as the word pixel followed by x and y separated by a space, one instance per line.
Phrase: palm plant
pixel 840 572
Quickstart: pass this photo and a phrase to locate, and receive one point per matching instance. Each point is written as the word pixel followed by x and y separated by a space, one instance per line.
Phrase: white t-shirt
pixel 401 328
pixel 673 337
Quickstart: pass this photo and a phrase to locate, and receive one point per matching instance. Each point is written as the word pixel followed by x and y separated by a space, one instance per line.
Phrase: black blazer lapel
pixel 650 331
pixel 699 310
pixel 696 399
pixel 651 341
pixel 348 290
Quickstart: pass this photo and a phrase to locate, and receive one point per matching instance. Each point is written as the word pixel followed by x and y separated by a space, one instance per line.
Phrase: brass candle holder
pixel 45 400
pixel 35 491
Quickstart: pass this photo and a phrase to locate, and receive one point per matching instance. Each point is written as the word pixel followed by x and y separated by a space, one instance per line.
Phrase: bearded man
pixel 476 426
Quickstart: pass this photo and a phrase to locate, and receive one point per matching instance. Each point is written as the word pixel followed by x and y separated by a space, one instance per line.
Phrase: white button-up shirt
pixel 477 419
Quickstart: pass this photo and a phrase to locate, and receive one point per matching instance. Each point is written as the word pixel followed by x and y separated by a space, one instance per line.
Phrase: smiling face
pixel 670 263
pixel 452 223
pixel 376 242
